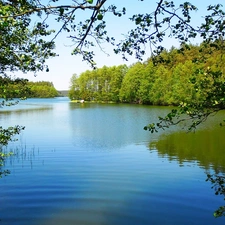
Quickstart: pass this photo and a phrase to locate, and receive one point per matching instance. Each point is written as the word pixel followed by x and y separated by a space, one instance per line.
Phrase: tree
pixel 117 75
pixel 74 92
pixel 102 84
pixel 131 84
pixel 41 89
pixel 21 48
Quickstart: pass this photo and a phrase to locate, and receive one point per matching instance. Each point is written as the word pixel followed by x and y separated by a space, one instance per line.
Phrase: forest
pixel 22 88
pixel 42 89
pixel 185 74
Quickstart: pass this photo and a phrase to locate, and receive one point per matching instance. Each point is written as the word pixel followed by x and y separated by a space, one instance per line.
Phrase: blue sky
pixel 65 65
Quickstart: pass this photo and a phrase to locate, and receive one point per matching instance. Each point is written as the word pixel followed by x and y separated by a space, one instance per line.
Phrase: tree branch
pixel 48 8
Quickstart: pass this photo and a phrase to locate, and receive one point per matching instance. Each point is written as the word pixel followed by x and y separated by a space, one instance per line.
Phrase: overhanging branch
pixel 48 8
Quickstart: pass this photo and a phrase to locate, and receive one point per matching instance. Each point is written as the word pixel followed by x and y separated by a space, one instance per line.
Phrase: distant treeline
pixel 63 93
pixel 22 88
pixel 177 75
pixel 42 89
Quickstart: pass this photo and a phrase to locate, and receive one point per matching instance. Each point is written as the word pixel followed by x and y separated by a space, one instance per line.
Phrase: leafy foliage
pixel 175 80
pixel 210 88
pixel 22 47
pixel 6 136
pixel 102 84
pixel 41 89
pixel 169 20
pixel 11 88
pixel 2 159
pixel 218 184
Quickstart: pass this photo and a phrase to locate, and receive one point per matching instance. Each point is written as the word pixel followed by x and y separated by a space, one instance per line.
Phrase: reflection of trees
pixel 74 105
pixel 218 184
pixel 36 108
pixel 3 172
pixel 205 146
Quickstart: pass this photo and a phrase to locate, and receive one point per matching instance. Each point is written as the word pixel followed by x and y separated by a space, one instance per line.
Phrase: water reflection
pixel 100 171
pixel 108 126
pixel 20 111
pixel 205 146
pixel 218 184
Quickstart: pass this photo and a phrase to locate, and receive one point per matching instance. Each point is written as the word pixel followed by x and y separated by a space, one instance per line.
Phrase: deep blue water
pixel 94 164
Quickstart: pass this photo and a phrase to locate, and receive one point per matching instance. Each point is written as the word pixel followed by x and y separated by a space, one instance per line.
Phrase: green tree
pixel 146 82
pixel 42 89
pixel 117 74
pixel 131 84
pixel 102 84
pixel 74 92
pixel 21 49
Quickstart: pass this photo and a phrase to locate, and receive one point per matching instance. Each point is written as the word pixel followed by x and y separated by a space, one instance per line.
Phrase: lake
pixel 94 164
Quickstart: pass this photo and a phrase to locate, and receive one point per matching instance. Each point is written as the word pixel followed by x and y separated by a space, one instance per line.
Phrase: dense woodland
pixel 175 76
pixel 22 88
pixel 42 89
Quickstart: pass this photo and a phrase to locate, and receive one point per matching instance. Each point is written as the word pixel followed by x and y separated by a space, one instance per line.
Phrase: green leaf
pixel 61 11
pixel 100 17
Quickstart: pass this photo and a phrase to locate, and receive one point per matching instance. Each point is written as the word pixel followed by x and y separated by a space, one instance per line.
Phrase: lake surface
pixel 94 164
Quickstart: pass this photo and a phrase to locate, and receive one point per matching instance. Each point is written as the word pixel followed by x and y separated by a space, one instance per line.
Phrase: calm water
pixel 94 164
